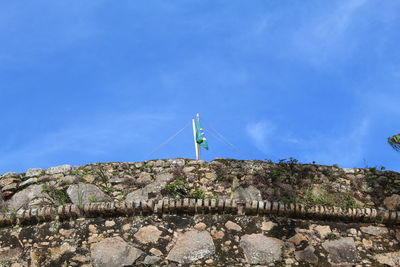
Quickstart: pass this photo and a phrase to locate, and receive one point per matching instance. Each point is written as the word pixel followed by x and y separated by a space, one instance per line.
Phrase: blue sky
pixel 98 81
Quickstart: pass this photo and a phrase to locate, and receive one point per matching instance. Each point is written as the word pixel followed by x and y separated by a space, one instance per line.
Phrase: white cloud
pixel 259 133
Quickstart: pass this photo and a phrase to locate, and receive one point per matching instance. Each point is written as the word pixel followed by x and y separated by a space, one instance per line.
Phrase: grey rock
pixel 192 246
pixel 137 195
pixel 24 197
pixel 10 175
pixel 249 193
pixel 86 193
pixel 374 230
pixel 307 255
pixel 259 249
pixel 392 202
pixel 144 178
pixel 69 179
pixel 59 169
pixel 349 170
pixel 28 182
pixel 342 250
pixel 113 252
pixel 148 234
pixel 390 259
pixel 142 194
pixel 33 172
pixel 151 259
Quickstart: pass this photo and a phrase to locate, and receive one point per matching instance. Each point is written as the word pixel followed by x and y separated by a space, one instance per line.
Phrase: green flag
pixel 200 139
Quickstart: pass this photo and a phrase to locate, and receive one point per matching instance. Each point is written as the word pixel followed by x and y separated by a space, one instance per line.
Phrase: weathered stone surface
pixel 322 230
pixel 144 178
pixel 138 195
pixel 148 234
pixel 10 187
pixel 249 193
pixel 259 249
pixel 307 255
pixel 57 252
pixel 151 259
pixel 28 182
pixel 233 226
pixel 374 230
pixel 69 179
pixel 391 258
pixel 7 181
pixel 59 169
pixel 297 239
pixel 267 226
pixel 86 193
pixel 392 202
pixel 22 198
pixel 113 252
pixel 342 250
pixel 10 174
pixel 191 246
pixel 34 172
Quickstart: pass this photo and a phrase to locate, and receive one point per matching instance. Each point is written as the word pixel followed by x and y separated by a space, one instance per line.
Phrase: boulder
pixel 33 172
pixel 259 249
pixel 374 230
pixel 148 234
pixel 192 246
pixel 342 250
pixel 113 252
pixel 390 259
pixel 24 197
pixel 233 226
pixel 249 193
pixel 392 202
pixel 59 169
pixel 86 193
pixel 307 255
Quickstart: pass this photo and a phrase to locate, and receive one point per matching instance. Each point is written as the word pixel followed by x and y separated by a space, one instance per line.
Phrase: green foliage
pixel 335 166
pixel 331 236
pixel 394 142
pixel 198 193
pixel 341 199
pixel 178 188
pixel 61 196
pixel 45 188
pixel 92 198
pixel 275 175
pixel 290 161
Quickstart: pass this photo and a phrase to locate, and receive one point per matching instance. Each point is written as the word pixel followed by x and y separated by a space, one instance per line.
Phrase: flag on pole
pixel 200 139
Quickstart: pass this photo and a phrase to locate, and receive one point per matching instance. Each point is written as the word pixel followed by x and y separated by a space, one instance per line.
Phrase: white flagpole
pixel 196 145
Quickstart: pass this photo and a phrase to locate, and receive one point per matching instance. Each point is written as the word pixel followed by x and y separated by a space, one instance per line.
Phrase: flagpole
pixel 196 145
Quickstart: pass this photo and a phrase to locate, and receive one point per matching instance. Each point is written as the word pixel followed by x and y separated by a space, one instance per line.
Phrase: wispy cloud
pixel 259 132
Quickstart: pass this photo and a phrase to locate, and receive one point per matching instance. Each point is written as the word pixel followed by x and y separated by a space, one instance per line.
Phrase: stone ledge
pixel 197 206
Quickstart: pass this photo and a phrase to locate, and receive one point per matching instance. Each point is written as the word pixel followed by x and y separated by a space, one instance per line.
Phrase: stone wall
pixel 186 212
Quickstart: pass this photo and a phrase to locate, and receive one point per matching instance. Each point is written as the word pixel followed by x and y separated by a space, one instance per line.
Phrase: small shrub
pixel 198 193
pixel 178 188
pixel 331 236
pixel 61 196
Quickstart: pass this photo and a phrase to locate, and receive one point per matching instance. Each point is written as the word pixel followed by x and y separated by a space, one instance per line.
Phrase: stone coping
pixel 197 206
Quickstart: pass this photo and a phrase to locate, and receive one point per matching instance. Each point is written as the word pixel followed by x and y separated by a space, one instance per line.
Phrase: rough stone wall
pixel 324 215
